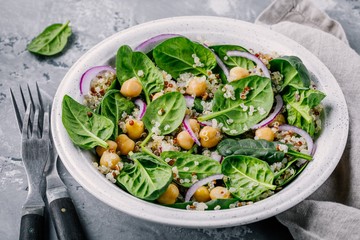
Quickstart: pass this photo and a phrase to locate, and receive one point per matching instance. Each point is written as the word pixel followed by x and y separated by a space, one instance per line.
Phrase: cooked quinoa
pixel 199 139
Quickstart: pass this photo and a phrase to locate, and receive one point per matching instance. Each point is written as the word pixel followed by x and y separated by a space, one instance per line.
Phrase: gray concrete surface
pixel 92 21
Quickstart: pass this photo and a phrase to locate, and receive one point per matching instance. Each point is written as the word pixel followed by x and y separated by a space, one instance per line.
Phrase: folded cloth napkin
pixel 333 211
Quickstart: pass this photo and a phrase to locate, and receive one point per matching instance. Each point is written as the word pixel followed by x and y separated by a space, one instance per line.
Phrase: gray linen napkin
pixel 333 211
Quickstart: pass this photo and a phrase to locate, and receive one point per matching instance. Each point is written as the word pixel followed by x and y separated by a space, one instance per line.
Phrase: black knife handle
pixel 32 227
pixel 65 219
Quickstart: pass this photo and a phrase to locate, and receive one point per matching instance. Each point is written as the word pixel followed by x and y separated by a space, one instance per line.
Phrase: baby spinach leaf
pixel 294 72
pixel 248 177
pixel 131 64
pixel 52 40
pixel 211 205
pixel 298 105
pixel 197 105
pixel 292 177
pixel 113 105
pixel 239 114
pixel 188 165
pixel 262 149
pixel 165 114
pixel 146 178
pixel 231 62
pixel 288 165
pixel 85 128
pixel 178 55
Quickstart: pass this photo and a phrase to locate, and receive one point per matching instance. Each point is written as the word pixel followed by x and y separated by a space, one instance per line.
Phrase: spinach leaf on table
pixel 131 64
pixel 85 128
pixel 52 40
pixel 231 113
pixel 146 178
pixel 298 105
pixel 176 56
pixel 294 72
pixel 262 149
pixel 188 165
pixel 113 105
pixel 247 177
pixel 165 113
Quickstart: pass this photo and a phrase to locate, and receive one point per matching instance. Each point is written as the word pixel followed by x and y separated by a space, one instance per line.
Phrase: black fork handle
pixel 32 227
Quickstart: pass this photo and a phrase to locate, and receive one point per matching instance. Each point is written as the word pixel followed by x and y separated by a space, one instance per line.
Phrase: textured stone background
pixel 93 21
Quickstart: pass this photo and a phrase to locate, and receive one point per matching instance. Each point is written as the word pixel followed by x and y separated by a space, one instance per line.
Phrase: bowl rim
pixel 177 217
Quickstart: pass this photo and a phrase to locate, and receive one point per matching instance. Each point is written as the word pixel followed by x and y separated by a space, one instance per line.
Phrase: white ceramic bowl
pixel 215 30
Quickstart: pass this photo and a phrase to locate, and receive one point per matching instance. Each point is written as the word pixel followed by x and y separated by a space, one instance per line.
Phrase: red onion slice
pixel 200 183
pixel 266 121
pixel 189 101
pixel 149 44
pixel 222 66
pixel 89 75
pixel 302 133
pixel 187 127
pixel 206 123
pixel 142 107
pixel 251 57
pixel 219 62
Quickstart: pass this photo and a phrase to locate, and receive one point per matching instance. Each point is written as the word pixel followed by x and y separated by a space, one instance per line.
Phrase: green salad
pixel 197 127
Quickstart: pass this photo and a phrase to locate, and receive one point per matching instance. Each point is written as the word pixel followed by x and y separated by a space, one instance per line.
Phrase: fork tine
pixel 41 114
pixel 25 102
pixel 23 98
pixel 31 97
pixel 35 130
pixel 39 96
pixel 45 133
pixel 17 112
pixel 26 122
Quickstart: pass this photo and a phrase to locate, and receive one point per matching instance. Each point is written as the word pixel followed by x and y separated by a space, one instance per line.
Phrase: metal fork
pixel 61 208
pixel 35 152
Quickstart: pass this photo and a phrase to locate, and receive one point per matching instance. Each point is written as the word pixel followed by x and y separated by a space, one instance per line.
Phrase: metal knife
pixel 61 208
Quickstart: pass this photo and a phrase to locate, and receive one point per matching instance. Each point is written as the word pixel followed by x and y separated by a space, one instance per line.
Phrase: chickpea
pixel 184 140
pixel 278 120
pixel 134 128
pixel 196 87
pixel 265 133
pixel 202 194
pixel 131 88
pixel 219 193
pixel 237 73
pixel 109 159
pixel 156 95
pixel 125 144
pixel 112 148
pixel 170 195
pixel 209 137
pixel 195 126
